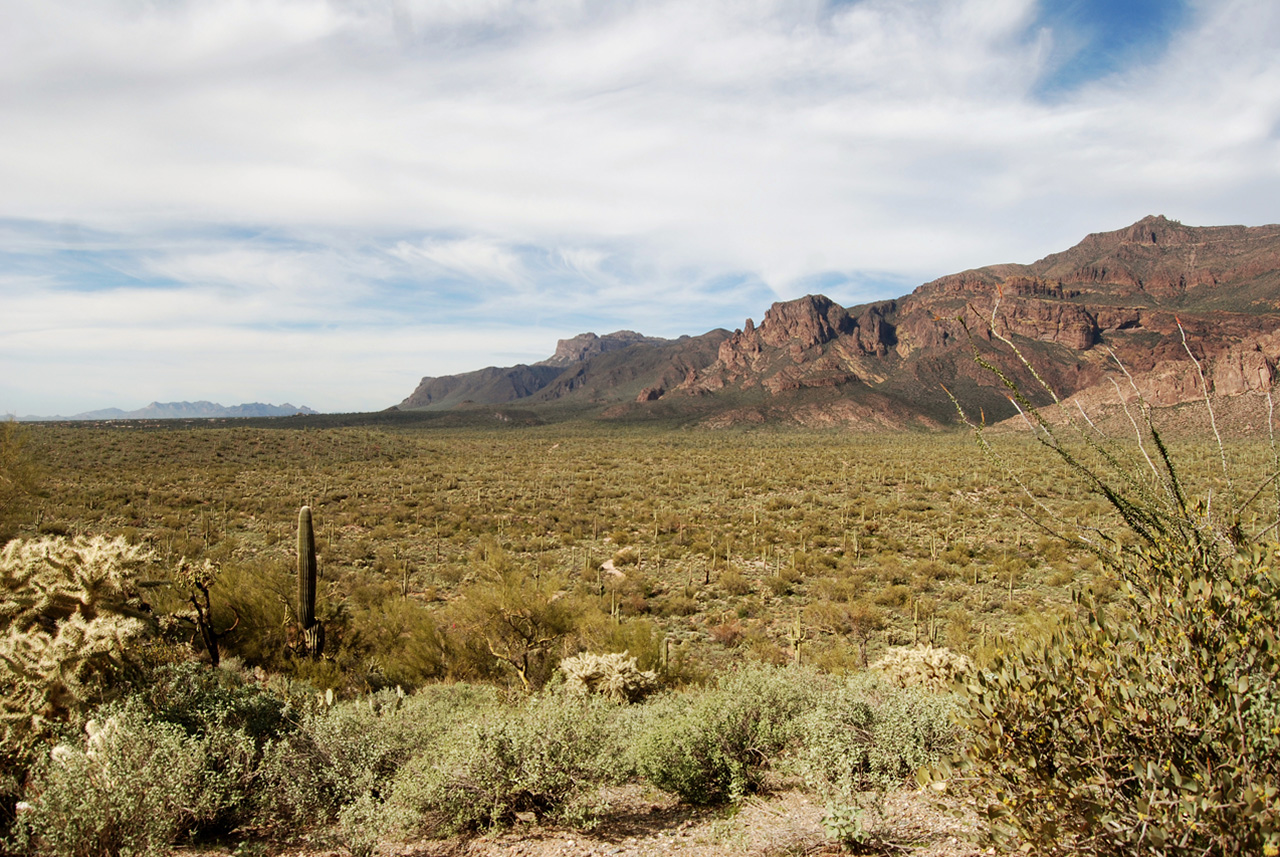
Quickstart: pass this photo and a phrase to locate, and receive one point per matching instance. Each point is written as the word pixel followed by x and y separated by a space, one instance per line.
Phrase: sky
pixel 323 201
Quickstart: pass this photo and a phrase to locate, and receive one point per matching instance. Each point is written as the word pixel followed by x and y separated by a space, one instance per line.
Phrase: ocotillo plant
pixel 312 641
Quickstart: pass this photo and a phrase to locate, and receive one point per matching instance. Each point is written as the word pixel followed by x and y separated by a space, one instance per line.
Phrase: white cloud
pixel 585 162
pixel 472 258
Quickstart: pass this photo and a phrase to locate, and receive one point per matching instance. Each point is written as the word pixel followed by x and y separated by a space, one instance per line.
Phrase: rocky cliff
pixel 1137 298
pixel 584 346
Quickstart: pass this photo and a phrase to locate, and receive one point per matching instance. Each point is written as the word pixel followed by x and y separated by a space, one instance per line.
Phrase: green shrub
pixel 1156 728
pixel 362 824
pixel 1151 727
pixel 198 698
pixel 869 734
pixel 547 756
pixel 128 790
pixel 717 746
pixel 342 752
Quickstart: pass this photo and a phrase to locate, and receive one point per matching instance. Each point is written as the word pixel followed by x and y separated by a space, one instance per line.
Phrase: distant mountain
pixel 573 368
pixel 1129 296
pixel 185 410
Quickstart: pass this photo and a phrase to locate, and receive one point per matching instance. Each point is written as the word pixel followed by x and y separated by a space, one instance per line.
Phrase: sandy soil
pixel 647 824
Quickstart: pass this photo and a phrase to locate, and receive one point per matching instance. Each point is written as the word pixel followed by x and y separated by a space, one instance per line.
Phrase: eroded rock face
pixel 1128 298
pixel 584 346
pixel 804 323
pixel 808 342
pixel 1066 324
pixel 1249 367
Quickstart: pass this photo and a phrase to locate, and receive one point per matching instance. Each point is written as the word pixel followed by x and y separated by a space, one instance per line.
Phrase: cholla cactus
pixel 69 609
pixel 614 675
pixel 928 667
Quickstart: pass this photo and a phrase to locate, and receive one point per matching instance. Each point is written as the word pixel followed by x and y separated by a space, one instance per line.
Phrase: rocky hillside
pixel 1116 298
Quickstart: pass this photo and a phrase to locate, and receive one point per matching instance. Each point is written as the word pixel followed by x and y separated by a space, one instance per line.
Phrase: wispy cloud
pixel 525 169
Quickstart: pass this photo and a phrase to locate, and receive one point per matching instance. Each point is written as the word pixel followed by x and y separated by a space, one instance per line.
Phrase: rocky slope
pixel 1128 298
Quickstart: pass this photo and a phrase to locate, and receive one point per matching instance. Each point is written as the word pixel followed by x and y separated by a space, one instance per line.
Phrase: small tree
pixel 198 577
pixel 521 618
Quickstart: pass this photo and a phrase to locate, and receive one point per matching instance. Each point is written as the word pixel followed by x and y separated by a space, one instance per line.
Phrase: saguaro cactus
pixel 312 639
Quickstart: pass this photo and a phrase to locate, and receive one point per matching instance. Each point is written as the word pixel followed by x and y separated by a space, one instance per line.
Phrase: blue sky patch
pixel 1094 39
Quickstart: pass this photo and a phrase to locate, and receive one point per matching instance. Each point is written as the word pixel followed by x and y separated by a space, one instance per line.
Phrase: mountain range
pixel 1117 315
pixel 184 410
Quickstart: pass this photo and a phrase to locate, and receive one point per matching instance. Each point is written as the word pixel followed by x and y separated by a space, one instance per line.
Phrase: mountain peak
pixel 584 346
pixel 1156 229
pixel 897 363
pixel 810 320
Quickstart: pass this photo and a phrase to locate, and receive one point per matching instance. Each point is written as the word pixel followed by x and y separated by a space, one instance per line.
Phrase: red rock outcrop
pixel 1136 298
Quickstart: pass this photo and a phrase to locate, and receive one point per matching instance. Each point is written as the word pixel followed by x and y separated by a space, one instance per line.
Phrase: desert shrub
pixel 1153 728
pixel 198 698
pixel 717 746
pixel 677 604
pixel 227 780
pixel 728 634
pixel 1150 726
pixel 363 823
pixel 735 583
pixel 626 556
pixel 342 752
pixel 870 734
pixel 126 789
pixel 614 676
pixel 932 668
pixel 547 755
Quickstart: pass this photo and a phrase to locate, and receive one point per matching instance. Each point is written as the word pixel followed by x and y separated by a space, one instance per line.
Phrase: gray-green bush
pixel 548 755
pixel 341 753
pixel 717 745
pixel 868 734
pixel 128 788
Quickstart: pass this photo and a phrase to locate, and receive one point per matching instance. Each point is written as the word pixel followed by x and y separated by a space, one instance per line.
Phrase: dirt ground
pixel 785 822
pixel 646 824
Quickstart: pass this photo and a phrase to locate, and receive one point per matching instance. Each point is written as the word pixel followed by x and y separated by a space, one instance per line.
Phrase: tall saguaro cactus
pixel 312 639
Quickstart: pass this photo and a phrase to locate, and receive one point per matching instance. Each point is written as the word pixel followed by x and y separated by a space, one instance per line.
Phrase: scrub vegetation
pixel 781 605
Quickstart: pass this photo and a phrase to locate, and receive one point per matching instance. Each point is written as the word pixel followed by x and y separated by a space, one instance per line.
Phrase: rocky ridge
pixel 1139 300
pixel 584 346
